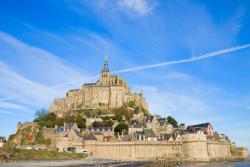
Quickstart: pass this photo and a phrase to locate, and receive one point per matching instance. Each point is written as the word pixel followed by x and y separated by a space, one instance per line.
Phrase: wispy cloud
pixel 192 59
pixel 36 63
pixel 6 99
pixel 140 6
pixel 14 107
pixel 38 69
pixel 169 103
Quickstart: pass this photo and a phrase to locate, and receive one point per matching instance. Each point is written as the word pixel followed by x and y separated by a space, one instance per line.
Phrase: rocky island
pixel 107 119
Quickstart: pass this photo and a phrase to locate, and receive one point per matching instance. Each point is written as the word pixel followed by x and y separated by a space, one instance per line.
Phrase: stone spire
pixel 106 65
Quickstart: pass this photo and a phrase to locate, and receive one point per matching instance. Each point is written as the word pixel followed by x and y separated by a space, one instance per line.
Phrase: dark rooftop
pixel 89 137
pixel 149 133
pixel 199 126
pixel 89 84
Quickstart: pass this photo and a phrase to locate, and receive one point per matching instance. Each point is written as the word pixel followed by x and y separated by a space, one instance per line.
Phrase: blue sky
pixel 48 47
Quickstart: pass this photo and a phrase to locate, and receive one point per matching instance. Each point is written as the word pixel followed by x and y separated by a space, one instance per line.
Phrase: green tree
pixel 119 112
pixel 108 123
pixel 40 114
pixel 81 122
pixel 118 118
pixel 50 116
pixel 87 112
pixel 59 121
pixel 137 110
pixel 131 104
pixel 121 127
pixel 128 114
pixel 172 121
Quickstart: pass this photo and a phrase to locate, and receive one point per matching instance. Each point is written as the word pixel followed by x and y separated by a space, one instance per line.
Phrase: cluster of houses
pixel 151 128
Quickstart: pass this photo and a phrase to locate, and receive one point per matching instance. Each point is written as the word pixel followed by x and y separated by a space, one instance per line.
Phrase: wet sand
pixel 89 161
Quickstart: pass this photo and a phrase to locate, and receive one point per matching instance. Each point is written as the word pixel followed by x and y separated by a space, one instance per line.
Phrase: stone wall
pixel 218 150
pixel 192 148
pixel 135 150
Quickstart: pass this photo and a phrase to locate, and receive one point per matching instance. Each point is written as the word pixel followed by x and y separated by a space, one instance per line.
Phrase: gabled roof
pixel 89 137
pixel 149 133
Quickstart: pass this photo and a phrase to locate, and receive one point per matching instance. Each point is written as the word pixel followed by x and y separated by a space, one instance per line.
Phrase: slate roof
pixel 100 129
pixel 149 133
pixel 126 138
pixel 199 126
pixel 89 84
pixel 135 124
pixel 89 137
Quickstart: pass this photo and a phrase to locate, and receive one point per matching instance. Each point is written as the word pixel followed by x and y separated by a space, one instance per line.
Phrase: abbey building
pixel 110 91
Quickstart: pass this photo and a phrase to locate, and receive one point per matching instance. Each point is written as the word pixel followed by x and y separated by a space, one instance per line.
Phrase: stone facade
pixel 110 91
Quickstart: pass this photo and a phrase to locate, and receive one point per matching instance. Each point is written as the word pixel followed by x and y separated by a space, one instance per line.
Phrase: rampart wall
pixel 193 148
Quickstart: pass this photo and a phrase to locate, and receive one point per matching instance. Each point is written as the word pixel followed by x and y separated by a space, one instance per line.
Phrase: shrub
pixel 121 127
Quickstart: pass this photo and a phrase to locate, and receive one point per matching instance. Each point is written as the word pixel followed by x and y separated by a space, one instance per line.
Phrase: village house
pixel 2 141
pixel 182 126
pixel 158 125
pixel 204 128
pixel 90 120
pixel 101 133
pixel 149 135
pixel 135 126
pixel 106 131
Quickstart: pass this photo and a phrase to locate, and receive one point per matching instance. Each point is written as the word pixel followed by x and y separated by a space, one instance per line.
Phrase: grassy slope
pixel 47 155
pixel 19 154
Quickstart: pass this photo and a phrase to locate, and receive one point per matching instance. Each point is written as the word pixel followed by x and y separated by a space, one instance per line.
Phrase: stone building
pixel 159 125
pixel 205 128
pixel 110 91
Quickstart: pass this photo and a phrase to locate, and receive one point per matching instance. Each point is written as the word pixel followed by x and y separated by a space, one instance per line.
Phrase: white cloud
pixel 35 63
pixel 166 103
pixel 140 6
pixel 14 107
pixel 27 74
pixel 24 90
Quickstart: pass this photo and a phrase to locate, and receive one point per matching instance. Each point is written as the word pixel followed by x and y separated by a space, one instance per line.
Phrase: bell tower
pixel 105 74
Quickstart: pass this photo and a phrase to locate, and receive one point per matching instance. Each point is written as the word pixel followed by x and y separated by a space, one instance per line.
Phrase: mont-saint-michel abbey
pixel 108 119
pixel 110 91
pixel 124 83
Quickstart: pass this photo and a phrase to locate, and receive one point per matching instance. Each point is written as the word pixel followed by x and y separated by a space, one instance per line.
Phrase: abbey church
pixel 110 91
